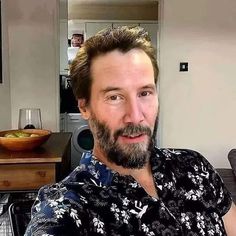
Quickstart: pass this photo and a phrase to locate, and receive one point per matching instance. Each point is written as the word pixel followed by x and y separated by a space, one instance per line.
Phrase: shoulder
pixel 187 162
pixel 181 158
pixel 188 168
pixel 193 173
pixel 55 200
pixel 55 208
pixel 179 154
pixel 65 193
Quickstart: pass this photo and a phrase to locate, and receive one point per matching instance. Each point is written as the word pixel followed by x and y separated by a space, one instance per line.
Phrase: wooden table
pixel 29 170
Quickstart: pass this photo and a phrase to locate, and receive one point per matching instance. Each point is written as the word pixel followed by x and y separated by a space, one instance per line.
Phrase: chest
pixel 130 211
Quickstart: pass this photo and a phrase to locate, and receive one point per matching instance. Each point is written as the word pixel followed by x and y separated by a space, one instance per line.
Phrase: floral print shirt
pixel 94 200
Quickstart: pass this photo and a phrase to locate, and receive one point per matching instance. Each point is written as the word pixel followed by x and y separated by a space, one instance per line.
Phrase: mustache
pixel 132 129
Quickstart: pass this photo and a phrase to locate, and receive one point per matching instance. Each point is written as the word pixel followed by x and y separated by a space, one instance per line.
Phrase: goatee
pixel 132 155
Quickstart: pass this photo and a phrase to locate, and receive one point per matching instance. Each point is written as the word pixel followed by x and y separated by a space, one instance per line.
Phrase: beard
pixel 131 155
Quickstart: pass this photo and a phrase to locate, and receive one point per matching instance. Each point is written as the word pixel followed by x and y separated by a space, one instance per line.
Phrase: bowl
pixel 26 139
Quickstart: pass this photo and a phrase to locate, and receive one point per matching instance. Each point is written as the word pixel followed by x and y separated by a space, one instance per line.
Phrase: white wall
pixel 198 108
pixel 5 102
pixel 33 58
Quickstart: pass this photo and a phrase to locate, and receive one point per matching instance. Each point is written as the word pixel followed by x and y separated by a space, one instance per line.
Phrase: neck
pixel 143 176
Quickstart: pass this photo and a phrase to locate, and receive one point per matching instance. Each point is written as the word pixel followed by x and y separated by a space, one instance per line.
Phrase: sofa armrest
pixel 229 180
pixel 232 160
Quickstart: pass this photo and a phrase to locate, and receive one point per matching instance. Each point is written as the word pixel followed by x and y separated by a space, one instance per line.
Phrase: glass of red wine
pixel 30 118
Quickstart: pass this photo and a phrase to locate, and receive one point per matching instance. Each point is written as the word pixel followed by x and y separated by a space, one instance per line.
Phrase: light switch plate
pixel 183 66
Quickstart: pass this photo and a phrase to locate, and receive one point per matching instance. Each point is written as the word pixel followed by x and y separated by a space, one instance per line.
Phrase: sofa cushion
pixel 232 160
pixel 229 180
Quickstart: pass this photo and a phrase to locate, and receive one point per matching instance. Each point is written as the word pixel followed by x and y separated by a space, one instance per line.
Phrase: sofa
pixel 229 175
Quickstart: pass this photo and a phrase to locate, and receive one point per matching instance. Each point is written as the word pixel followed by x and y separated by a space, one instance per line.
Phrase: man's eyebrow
pixel 110 88
pixel 149 86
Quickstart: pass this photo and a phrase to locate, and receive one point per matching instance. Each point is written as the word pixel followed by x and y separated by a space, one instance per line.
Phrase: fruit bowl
pixel 26 139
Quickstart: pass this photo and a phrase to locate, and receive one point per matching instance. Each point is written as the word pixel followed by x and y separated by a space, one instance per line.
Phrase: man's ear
pixel 83 107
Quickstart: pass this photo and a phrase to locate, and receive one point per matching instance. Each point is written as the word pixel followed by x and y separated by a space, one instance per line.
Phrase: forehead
pixel 118 67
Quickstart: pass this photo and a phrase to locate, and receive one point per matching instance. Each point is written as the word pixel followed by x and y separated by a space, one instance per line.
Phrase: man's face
pixel 123 107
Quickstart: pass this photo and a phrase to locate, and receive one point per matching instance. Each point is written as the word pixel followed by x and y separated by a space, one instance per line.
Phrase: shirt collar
pixel 102 174
pixel 91 166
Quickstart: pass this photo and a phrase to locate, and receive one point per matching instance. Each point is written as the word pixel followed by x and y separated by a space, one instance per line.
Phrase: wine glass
pixel 30 118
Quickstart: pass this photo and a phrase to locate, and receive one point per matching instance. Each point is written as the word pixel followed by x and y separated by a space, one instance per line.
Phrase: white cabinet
pixel 91 28
pixel 75 27
pixel 117 24
pixel 63 46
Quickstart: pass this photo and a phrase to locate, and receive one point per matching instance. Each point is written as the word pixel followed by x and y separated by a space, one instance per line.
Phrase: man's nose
pixel 133 112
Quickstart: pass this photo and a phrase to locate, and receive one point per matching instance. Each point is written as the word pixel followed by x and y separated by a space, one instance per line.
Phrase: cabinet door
pixel 91 28
pixel 63 47
pixel 26 176
pixel 152 29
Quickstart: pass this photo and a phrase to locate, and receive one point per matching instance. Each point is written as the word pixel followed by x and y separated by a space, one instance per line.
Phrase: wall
pixel 198 107
pixel 5 102
pixel 33 63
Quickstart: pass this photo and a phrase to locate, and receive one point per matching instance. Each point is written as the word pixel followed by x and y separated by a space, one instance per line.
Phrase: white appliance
pixel 82 138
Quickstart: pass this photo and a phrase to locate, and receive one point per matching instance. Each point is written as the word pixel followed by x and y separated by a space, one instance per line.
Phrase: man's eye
pixel 114 97
pixel 145 93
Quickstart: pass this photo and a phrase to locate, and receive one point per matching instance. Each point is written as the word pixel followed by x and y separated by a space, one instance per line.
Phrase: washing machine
pixel 82 138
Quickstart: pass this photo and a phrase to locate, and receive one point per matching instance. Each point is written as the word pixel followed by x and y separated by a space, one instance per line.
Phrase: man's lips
pixel 134 138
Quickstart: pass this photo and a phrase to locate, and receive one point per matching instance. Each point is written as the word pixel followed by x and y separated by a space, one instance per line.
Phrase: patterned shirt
pixel 94 200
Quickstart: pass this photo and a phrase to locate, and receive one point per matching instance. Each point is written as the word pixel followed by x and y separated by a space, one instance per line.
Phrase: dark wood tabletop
pixel 51 151
pixel 28 170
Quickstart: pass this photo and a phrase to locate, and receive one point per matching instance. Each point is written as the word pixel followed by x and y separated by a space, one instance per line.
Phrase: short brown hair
pixel 123 39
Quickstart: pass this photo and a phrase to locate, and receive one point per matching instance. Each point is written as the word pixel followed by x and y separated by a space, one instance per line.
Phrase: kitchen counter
pixel 29 170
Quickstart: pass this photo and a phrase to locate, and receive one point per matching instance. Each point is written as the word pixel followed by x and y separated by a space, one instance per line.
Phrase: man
pixel 127 186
